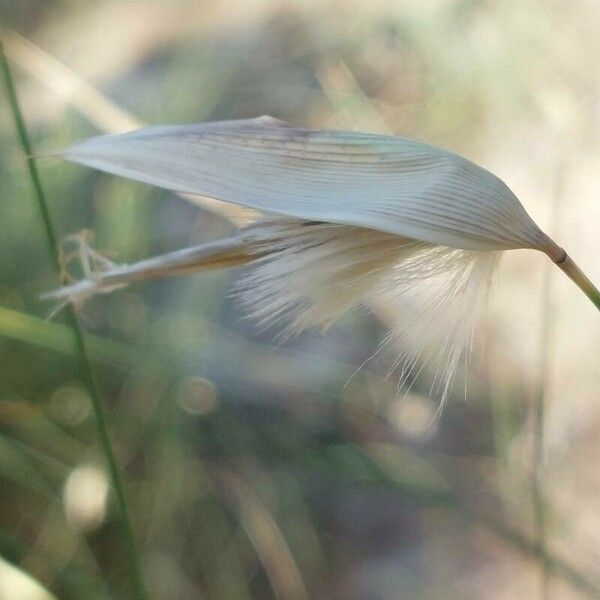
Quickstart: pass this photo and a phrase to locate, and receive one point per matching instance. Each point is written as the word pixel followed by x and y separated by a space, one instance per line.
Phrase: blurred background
pixel 257 471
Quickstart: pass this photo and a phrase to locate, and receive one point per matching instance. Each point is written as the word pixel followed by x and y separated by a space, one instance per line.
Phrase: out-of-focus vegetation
pixel 256 471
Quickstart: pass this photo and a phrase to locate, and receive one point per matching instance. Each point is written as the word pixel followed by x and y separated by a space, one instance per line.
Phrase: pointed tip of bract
pixel 48 154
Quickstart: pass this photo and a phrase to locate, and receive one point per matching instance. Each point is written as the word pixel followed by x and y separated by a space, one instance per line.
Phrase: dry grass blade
pixel 72 88
pixel 266 537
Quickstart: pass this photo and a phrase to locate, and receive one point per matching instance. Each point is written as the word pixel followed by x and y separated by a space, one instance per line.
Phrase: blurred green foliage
pixel 252 471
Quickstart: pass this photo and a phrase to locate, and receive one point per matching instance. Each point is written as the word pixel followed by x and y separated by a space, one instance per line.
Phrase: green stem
pixel 584 283
pixel 85 368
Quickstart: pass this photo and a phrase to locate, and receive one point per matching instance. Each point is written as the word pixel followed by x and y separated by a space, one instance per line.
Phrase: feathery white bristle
pixel 439 290
pixel 310 273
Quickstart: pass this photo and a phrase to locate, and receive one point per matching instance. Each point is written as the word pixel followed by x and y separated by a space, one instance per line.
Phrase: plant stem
pixel 85 368
pixel 576 275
